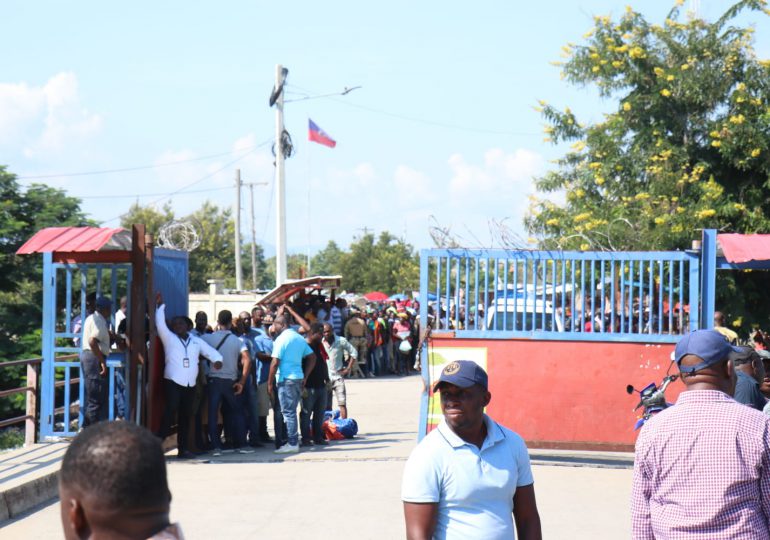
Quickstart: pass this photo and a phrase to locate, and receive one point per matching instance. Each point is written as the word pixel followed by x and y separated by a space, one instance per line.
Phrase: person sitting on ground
pixel 112 484
pixel 720 322
pixel 751 373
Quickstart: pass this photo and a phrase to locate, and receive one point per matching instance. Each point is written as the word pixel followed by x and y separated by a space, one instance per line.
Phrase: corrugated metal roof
pixel 283 292
pixel 77 240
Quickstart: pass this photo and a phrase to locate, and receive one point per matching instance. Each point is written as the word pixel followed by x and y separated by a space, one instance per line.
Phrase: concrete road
pixel 351 488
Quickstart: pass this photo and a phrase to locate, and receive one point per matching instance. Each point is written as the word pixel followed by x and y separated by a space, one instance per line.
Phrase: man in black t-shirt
pixel 314 394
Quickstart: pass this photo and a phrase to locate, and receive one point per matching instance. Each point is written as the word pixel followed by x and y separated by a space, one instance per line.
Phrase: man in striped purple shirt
pixel 702 467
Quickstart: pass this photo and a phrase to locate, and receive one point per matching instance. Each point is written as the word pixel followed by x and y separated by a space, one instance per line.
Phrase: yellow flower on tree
pixel 756 152
pixel 626 106
pixel 582 217
pixel 707 213
pixel 659 71
pixel 665 92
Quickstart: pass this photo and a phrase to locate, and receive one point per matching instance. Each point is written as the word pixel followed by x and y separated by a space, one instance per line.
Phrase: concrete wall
pixel 216 300
pixel 560 394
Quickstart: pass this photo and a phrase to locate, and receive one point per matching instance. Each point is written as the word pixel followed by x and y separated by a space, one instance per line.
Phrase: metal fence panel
pixel 591 296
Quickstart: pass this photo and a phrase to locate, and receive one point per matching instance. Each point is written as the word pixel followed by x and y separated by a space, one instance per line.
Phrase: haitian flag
pixel 318 135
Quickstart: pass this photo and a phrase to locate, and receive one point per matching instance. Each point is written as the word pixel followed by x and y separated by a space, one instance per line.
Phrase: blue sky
pixel 443 125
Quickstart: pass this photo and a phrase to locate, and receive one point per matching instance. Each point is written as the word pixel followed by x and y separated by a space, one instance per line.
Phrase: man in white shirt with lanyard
pixel 470 477
pixel 182 352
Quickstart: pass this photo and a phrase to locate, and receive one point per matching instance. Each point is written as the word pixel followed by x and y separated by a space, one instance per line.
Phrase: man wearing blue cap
pixel 702 467
pixel 470 477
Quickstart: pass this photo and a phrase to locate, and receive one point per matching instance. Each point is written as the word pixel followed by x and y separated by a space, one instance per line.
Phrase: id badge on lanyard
pixel 186 359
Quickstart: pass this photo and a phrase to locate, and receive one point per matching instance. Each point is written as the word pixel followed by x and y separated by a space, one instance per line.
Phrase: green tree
pixel 686 148
pixel 327 261
pixel 388 265
pixel 264 280
pixel 296 268
pixel 215 257
pixel 152 218
pixel 22 214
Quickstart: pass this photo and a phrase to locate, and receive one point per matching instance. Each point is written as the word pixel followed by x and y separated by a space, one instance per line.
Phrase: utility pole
pixel 280 200
pixel 253 241
pixel 238 273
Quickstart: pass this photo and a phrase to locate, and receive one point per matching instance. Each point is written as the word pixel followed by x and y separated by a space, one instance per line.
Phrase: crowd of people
pixel 276 358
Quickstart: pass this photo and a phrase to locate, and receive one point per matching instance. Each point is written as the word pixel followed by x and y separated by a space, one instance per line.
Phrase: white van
pixel 510 314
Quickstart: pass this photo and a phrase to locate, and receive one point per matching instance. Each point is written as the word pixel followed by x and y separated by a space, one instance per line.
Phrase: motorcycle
pixel 652 398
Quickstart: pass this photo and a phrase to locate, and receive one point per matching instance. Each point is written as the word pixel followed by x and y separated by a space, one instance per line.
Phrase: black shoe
pixel 185 455
pixel 321 443
pixel 256 444
pixel 306 442
pixel 265 438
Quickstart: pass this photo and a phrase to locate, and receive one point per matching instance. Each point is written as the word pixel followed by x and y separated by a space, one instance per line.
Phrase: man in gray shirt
pixel 227 382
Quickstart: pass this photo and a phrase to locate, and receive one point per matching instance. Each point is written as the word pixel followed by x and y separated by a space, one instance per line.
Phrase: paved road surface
pixel 351 489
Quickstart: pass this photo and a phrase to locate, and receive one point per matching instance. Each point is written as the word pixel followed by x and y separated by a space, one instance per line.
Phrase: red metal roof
pixel 741 248
pixel 77 240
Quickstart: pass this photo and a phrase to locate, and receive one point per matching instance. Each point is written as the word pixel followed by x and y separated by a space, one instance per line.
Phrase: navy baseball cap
pixel 708 345
pixel 103 303
pixel 462 373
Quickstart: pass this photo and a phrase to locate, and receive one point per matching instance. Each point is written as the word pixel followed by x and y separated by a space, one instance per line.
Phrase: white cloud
pixel 44 120
pixel 413 188
pixel 503 180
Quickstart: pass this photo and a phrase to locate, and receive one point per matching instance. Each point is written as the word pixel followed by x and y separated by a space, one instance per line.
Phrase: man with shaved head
pixel 112 485
pixel 702 467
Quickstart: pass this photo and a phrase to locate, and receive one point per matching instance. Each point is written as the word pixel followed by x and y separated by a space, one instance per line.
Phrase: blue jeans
pixel 222 390
pixel 313 403
pixel 289 393
pixel 252 410
pixel 381 359
pixel 97 389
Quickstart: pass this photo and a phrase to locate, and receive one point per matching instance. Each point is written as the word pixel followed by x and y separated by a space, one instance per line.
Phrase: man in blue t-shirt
pixel 470 477
pixel 293 360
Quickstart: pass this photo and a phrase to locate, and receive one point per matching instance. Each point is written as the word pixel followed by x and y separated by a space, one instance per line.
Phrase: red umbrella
pixel 376 296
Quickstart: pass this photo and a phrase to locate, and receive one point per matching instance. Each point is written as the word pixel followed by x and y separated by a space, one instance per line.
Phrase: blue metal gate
pixel 563 295
pixel 65 290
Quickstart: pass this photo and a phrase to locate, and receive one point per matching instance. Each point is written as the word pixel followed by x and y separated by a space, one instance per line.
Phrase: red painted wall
pixel 570 394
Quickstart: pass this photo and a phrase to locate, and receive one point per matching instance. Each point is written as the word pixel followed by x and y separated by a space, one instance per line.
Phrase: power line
pixel 198 181
pixel 420 120
pixel 130 169
pixel 138 195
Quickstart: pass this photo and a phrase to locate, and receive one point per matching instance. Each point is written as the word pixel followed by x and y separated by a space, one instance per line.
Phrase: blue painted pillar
pixel 46 382
pixel 708 259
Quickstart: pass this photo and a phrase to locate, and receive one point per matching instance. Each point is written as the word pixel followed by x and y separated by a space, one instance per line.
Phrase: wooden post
pixel 149 371
pixel 30 424
pixel 137 353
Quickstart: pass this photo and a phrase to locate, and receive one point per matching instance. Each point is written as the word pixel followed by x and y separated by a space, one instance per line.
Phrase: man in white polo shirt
pixel 182 352
pixel 470 477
